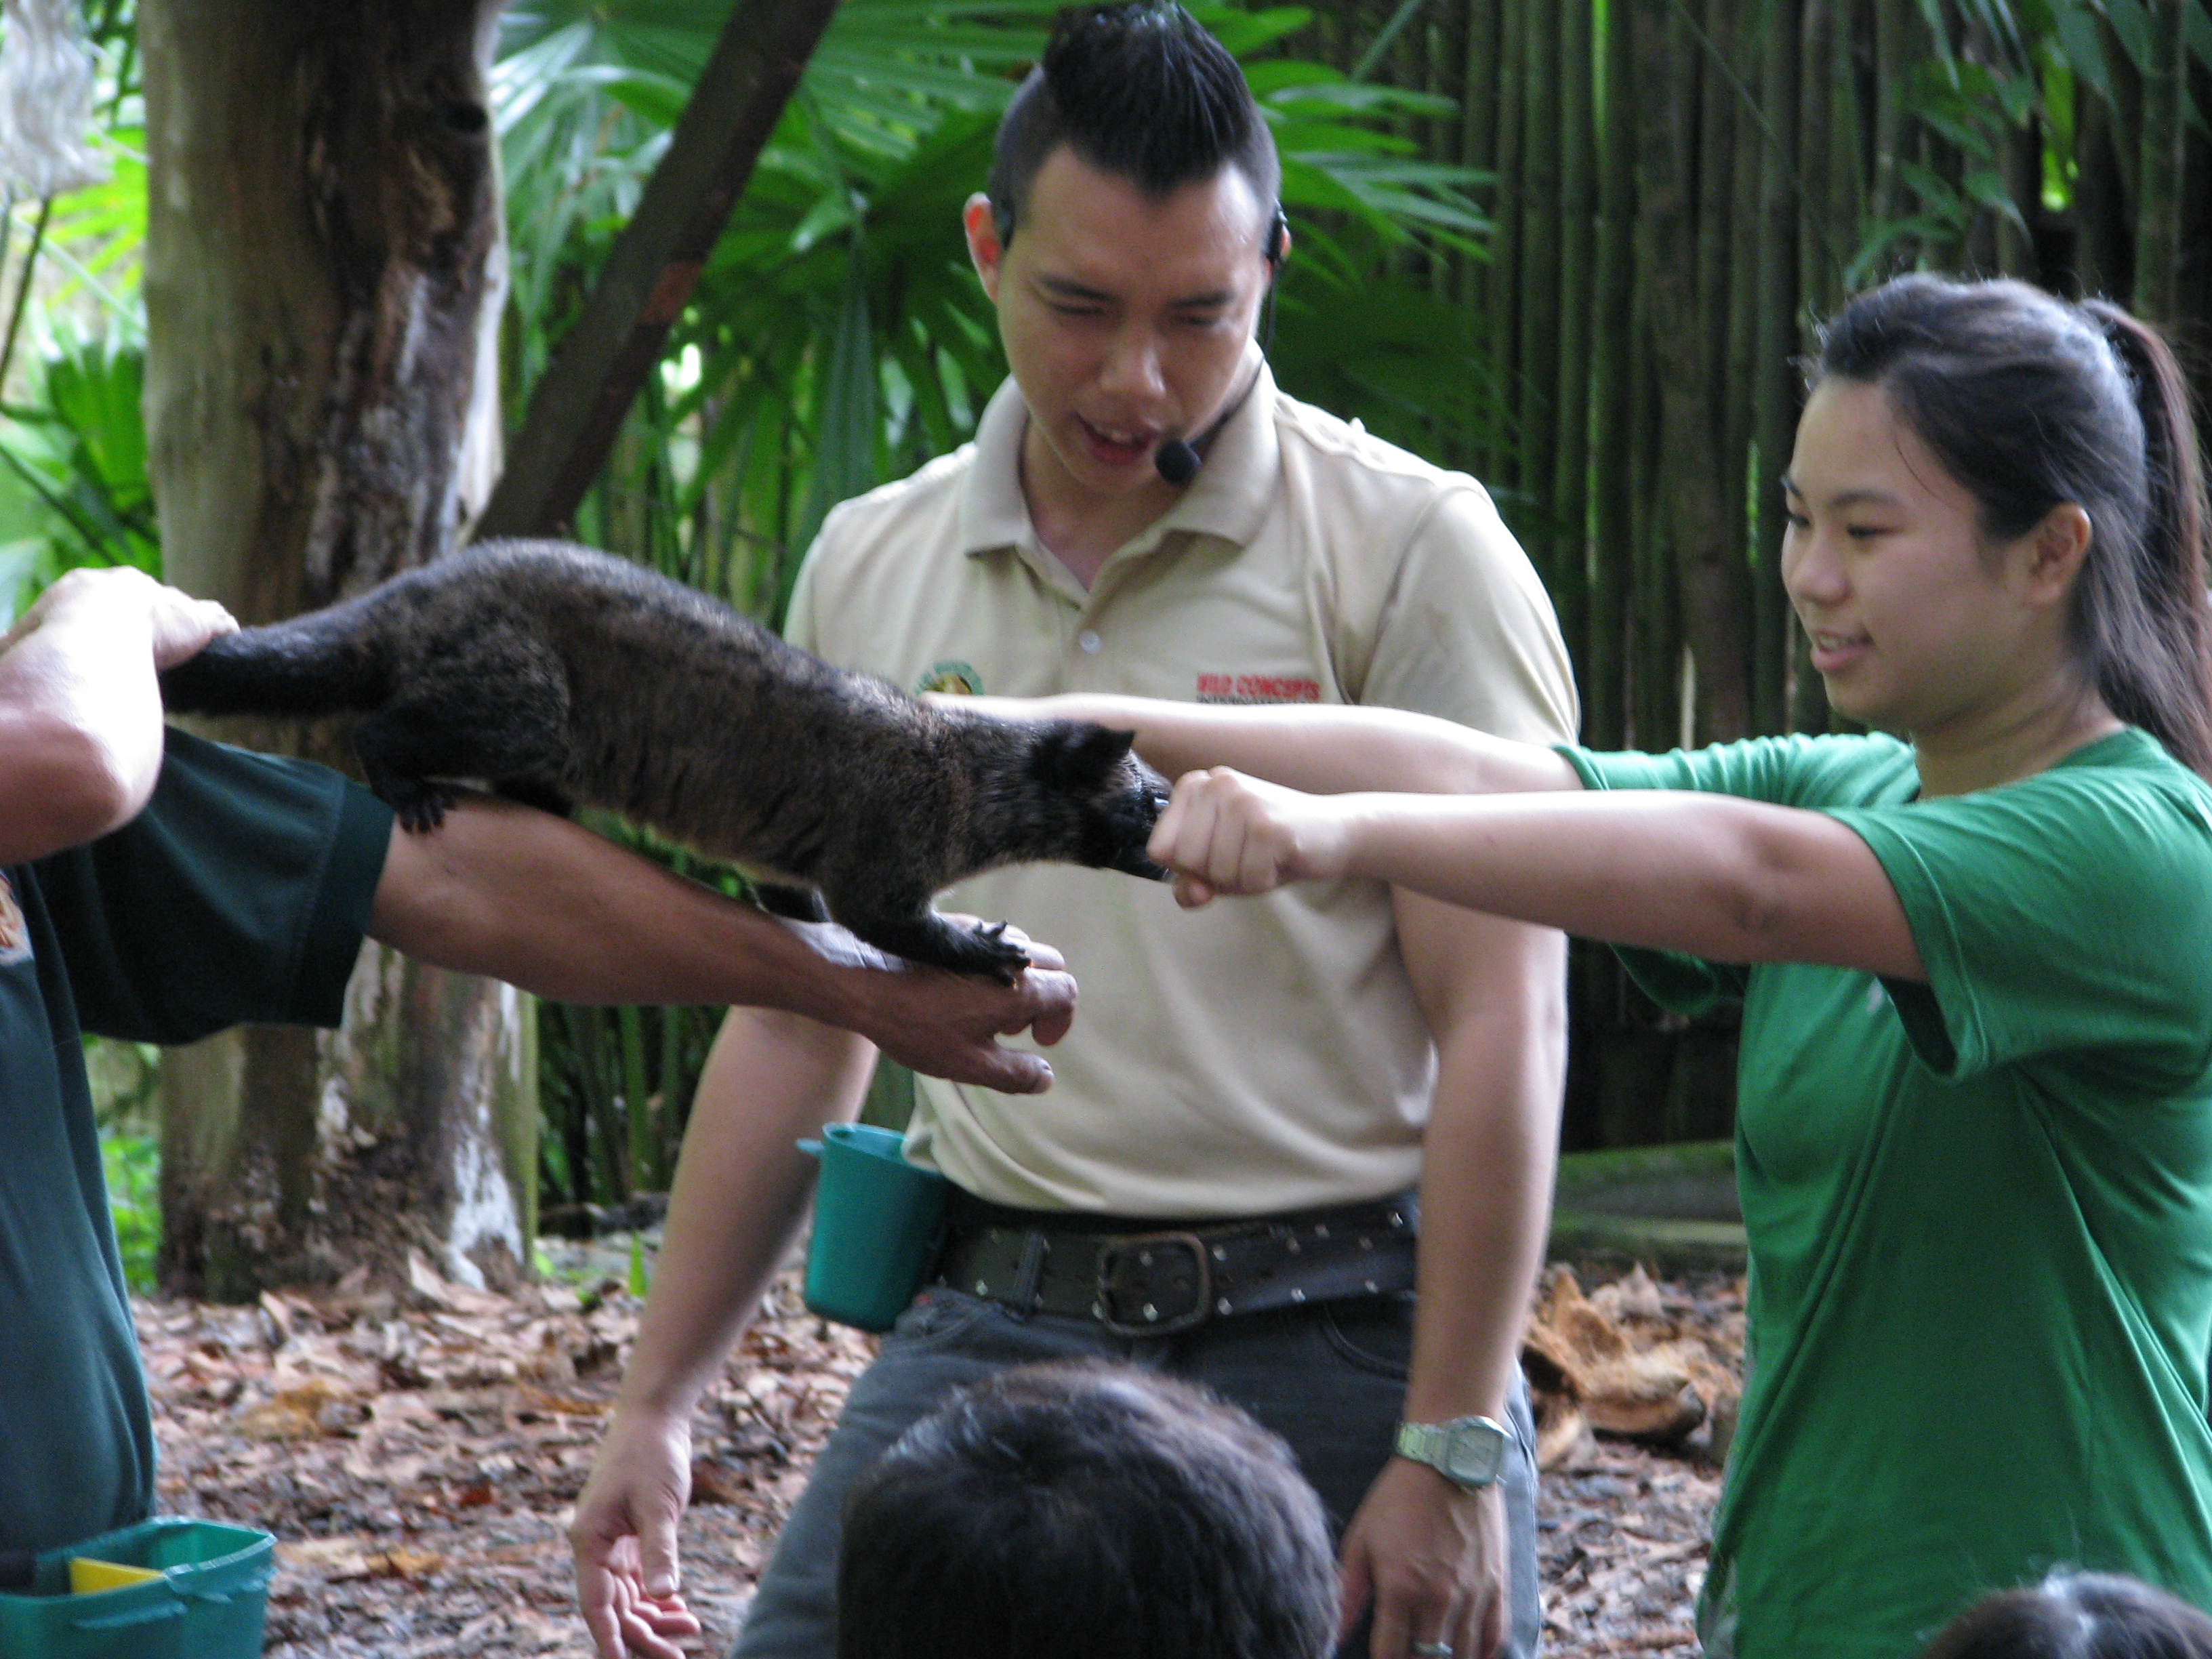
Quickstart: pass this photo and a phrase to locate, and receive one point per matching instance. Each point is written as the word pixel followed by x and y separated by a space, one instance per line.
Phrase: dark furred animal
pixel 557 675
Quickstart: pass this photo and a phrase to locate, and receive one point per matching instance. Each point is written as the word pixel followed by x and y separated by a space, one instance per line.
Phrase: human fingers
pixel 1041 954
pixel 653 1627
pixel 1191 893
pixel 183 625
pixel 1048 1008
pixel 638 1486
pixel 1184 838
pixel 647 1628
pixel 946 1025
pixel 1484 1578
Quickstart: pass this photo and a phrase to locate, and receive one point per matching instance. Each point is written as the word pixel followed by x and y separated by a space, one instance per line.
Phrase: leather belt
pixel 1153 1278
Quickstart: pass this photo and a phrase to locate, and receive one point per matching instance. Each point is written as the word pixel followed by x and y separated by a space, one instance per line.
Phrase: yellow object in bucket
pixel 89 1578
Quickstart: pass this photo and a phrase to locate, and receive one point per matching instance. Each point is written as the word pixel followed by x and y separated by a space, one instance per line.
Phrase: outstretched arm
pixel 1324 749
pixel 1731 880
pixel 547 905
pixel 80 710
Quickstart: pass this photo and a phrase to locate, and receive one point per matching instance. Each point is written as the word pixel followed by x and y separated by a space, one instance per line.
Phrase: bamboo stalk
pixel 1734 386
pixel 1774 397
pixel 1539 299
pixel 2193 318
pixel 1577 278
pixel 1505 240
pixel 1851 143
pixel 1896 45
pixel 1612 561
pixel 1478 131
pixel 1817 71
pixel 2158 170
pixel 2100 211
pixel 1665 309
pixel 2023 167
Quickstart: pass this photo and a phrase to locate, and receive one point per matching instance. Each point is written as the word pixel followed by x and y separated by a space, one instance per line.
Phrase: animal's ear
pixel 1077 754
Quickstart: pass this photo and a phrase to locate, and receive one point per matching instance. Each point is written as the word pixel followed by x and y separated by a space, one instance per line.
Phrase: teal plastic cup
pixel 878 1220
pixel 207 1604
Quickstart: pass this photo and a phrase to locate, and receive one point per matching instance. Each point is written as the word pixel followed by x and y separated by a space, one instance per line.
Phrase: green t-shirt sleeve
pixel 239 895
pixel 1799 771
pixel 2069 914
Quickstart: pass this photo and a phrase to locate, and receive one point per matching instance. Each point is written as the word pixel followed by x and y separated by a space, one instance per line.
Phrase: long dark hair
pixel 2090 1615
pixel 2029 402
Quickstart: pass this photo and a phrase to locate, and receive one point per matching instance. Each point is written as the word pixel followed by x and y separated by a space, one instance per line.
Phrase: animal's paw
pixel 997 956
pixel 420 806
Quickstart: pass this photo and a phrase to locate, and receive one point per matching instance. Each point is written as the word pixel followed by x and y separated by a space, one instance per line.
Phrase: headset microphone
pixel 1178 462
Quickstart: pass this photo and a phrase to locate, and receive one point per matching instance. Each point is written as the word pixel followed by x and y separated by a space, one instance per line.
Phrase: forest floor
pixel 417 1456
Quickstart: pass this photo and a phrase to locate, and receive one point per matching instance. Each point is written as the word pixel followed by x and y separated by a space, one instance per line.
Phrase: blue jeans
pixel 1330 1378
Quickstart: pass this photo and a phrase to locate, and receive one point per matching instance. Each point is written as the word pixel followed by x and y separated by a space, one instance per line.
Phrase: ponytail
pixel 2170 562
pixel 2031 402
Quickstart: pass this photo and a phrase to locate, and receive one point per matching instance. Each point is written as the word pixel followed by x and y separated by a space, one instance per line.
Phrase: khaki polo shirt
pixel 1259 1054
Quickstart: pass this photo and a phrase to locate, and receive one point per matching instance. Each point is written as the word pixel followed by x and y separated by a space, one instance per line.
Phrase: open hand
pixel 947 1025
pixel 1431 1558
pixel 624 1539
pixel 1225 833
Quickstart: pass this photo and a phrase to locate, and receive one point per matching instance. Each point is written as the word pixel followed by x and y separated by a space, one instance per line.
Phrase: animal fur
pixel 559 677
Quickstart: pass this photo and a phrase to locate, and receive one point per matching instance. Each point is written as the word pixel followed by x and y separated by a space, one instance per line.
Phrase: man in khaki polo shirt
pixel 1222 1181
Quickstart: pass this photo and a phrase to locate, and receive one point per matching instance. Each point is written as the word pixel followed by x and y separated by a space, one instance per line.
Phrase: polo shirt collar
pixel 1230 497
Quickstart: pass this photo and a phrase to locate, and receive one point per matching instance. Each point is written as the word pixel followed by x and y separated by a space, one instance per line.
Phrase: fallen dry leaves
pixel 1654 1368
pixel 417 1454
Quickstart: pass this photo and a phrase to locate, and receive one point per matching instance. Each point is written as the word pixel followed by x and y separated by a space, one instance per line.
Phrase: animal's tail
pixel 309 666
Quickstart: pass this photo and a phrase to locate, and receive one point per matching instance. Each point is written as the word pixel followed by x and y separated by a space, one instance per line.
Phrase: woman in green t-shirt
pixel 1975 1110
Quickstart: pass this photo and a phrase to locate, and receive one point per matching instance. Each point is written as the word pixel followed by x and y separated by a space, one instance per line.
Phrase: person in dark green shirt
pixel 1974 1133
pixel 157 887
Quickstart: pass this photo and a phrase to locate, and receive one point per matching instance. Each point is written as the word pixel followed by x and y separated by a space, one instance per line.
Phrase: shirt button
pixel 1089 642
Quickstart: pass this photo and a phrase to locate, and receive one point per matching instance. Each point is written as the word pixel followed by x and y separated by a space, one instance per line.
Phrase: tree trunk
pixel 324 277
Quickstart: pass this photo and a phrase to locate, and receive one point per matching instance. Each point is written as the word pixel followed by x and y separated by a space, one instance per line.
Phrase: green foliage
pixel 1999 72
pixel 132 1165
pixel 73 483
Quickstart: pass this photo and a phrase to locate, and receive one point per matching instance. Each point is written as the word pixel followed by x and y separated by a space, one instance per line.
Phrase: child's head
pixel 1085 1512
pixel 2063 434
pixel 2078 1616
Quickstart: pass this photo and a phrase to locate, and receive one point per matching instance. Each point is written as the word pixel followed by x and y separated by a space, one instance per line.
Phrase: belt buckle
pixel 1116 1257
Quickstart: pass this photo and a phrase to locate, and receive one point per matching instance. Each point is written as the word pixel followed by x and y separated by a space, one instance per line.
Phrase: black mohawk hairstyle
pixel 1140 90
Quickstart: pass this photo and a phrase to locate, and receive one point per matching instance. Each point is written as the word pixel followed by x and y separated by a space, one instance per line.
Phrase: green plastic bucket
pixel 207 1604
pixel 876 1220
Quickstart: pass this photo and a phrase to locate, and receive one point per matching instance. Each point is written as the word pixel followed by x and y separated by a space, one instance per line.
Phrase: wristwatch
pixel 1468 1451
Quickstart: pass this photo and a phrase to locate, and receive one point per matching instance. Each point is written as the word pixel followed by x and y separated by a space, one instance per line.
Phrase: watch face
pixel 1473 1453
